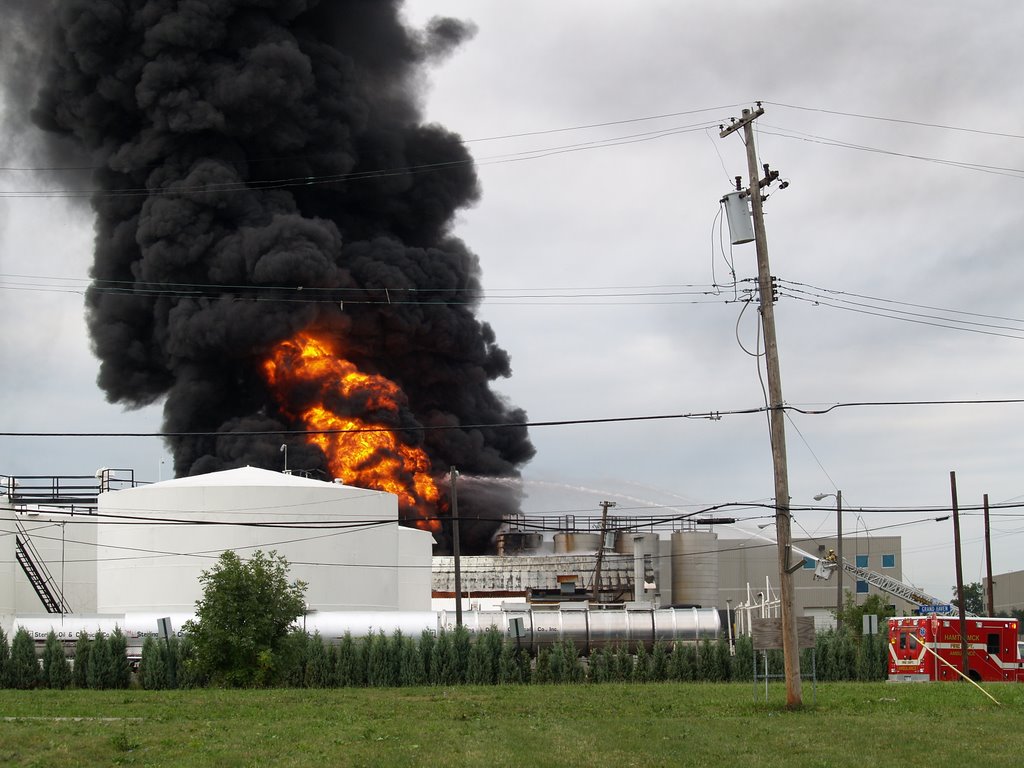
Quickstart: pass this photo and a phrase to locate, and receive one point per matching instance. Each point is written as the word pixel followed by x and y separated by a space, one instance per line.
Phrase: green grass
pixel 659 724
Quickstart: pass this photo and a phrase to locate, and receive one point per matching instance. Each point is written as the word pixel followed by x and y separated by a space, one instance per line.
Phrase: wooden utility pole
pixel 959 576
pixel 765 283
pixel 600 549
pixel 991 598
pixel 455 548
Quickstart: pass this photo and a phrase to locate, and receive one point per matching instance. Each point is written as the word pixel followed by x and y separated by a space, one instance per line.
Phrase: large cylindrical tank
pixel 519 543
pixel 625 542
pixel 571 541
pixel 695 568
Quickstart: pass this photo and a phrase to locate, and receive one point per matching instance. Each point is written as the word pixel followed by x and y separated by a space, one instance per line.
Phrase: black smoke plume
pixel 261 167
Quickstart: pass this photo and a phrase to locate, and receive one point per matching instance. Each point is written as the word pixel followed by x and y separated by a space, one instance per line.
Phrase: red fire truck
pixel 928 648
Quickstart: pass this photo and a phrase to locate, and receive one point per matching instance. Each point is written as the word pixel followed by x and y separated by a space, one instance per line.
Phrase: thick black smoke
pixel 262 167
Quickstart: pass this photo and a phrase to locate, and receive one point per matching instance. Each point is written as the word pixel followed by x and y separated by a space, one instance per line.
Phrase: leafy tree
pixel 852 614
pixel 56 669
pixel 242 621
pixel 25 671
pixel 974 598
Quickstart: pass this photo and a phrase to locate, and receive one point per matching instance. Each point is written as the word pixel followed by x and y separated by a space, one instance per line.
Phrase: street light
pixel 839 550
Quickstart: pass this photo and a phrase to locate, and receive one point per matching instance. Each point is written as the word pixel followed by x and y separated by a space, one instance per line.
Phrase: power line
pixel 705 415
pixel 898 120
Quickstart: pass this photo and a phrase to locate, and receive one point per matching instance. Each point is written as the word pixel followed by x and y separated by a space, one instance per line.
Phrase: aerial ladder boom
pixel 826 567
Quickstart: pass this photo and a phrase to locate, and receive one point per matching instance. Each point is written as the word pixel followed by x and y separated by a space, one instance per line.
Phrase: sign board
pixel 164 628
pixel 515 627
pixel 767 633
pixel 869 624
pixel 943 608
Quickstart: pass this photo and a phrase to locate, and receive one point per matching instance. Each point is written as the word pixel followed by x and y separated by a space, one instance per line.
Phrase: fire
pixel 306 368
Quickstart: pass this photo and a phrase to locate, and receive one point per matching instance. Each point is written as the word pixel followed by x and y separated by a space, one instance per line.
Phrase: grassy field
pixel 661 724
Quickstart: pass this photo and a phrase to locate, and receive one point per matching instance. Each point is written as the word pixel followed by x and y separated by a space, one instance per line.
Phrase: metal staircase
pixel 37 573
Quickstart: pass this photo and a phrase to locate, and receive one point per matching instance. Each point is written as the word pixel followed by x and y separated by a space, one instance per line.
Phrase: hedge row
pixel 101 662
pixel 453 658
pixel 448 658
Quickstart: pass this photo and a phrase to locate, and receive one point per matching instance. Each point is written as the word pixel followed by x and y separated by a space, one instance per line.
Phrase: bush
pixel 121 675
pixel 5 661
pixel 56 668
pixel 318 666
pixel 426 649
pixel 80 670
pixel 510 671
pixel 659 662
pixel 381 671
pixel 410 666
pixel 100 672
pixel 542 670
pixel 441 658
pixel 25 671
pixel 243 620
pixel 599 672
pixel 345 672
pixel 153 665
pixel 683 664
pixel 743 661
pixel 641 665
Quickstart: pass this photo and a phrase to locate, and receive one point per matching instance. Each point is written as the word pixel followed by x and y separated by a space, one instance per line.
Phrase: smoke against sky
pixel 258 171
pixel 558 216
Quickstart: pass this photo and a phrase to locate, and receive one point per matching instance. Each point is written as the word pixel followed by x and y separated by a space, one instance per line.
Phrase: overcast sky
pixel 600 248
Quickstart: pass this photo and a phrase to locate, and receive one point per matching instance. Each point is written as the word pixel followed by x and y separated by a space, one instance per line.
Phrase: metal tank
pixel 695 568
pixel 625 542
pixel 512 543
pixel 588 629
pixel 572 541
pixel 591 629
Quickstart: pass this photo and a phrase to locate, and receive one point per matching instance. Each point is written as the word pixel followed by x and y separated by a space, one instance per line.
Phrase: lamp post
pixel 284 450
pixel 839 550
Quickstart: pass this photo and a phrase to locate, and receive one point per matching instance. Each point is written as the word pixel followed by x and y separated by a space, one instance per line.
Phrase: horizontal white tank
pixel 588 629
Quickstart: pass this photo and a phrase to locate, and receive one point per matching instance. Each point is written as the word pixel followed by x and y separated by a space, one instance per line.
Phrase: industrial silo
pixel 575 542
pixel 695 568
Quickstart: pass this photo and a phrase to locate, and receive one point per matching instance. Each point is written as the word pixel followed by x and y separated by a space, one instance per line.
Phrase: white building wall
pixel 65 545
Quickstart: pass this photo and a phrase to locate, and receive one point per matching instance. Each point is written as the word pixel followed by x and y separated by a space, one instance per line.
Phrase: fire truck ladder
pixel 885 583
pixel 38 575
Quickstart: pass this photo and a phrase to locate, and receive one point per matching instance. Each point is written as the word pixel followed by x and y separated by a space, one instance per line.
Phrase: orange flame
pixel 370 459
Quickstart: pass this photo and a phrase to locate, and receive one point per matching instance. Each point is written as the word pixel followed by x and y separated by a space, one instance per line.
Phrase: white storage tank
pixel 695 568
pixel 344 542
